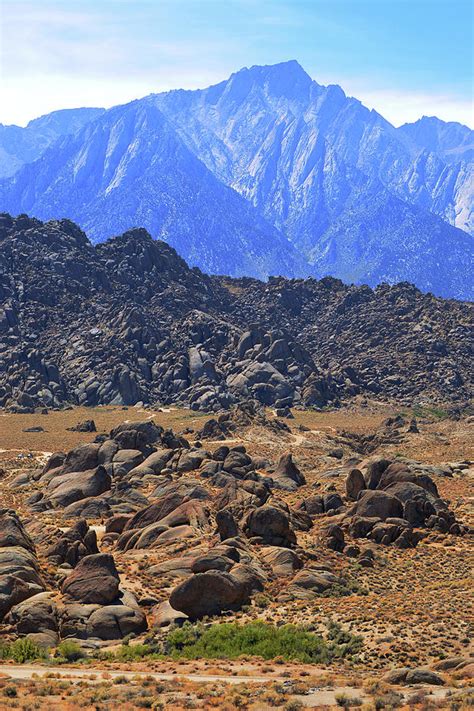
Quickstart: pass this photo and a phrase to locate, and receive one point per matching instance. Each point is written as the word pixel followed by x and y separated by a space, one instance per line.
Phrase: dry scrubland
pixel 412 609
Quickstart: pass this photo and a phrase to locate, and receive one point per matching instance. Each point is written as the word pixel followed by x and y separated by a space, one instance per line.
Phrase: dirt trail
pixel 26 671
pixel 324 696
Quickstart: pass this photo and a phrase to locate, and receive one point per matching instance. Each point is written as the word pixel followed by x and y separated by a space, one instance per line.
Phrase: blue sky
pixel 404 58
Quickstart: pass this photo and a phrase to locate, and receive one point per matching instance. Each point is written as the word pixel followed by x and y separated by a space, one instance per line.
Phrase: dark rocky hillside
pixel 128 321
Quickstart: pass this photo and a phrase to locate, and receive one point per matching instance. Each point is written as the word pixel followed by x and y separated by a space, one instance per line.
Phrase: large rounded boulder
pixel 206 593
pixel 378 504
pixel 287 475
pixel 95 580
pixel 271 525
pixel 355 483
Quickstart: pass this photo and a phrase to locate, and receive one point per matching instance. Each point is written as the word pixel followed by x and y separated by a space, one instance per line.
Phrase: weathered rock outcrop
pixel 136 324
pixel 398 500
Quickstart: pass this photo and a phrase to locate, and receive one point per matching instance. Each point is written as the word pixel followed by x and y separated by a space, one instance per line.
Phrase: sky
pixel 405 58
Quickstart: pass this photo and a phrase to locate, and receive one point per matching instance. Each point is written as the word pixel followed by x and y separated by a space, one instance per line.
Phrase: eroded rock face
pixel 37 618
pixel 164 615
pixel 378 504
pixel 207 593
pixel 310 582
pixel 287 475
pixel 20 576
pixel 398 500
pixel 282 561
pixel 116 622
pixel 12 532
pixel 333 536
pixel 74 544
pixel 211 592
pixel 74 486
pixel 355 483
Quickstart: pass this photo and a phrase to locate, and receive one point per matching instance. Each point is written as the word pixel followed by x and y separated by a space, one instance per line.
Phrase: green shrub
pixel 132 652
pixel 390 700
pixel 120 679
pixel 70 651
pixel 10 691
pixel 349 587
pixel 22 650
pixel 436 412
pixel 293 705
pixel 341 642
pixel 232 640
pixel 261 600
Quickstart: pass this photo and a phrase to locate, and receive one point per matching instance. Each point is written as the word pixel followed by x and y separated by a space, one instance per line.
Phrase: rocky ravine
pixel 128 321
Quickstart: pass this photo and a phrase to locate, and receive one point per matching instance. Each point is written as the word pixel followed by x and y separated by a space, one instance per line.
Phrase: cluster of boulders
pixel 392 502
pixel 91 606
pixel 244 414
pixel 91 603
pixel 220 496
pixel 216 521
pixel 70 546
pixel 127 321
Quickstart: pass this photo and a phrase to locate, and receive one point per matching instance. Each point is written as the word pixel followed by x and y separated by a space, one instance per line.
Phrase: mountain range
pixel 265 173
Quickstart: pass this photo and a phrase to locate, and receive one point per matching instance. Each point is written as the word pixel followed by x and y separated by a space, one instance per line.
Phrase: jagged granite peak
pixel 285 79
pixel 451 140
pixel 265 142
pixel 127 320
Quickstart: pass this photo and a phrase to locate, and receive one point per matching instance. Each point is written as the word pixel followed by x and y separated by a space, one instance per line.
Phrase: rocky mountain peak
pixel 287 80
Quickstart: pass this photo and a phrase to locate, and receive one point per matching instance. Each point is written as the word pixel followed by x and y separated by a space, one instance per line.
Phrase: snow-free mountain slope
pixel 23 145
pixel 450 140
pixel 263 129
pixel 403 246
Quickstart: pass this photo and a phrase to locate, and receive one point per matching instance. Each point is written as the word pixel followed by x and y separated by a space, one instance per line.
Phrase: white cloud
pixel 65 55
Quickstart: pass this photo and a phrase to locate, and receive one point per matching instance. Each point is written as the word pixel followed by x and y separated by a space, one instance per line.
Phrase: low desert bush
pixel 69 651
pixel 232 640
pixel 347 702
pixel 21 650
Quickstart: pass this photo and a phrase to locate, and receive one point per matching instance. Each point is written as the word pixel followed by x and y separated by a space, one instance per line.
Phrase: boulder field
pixel 218 519
pixel 128 321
